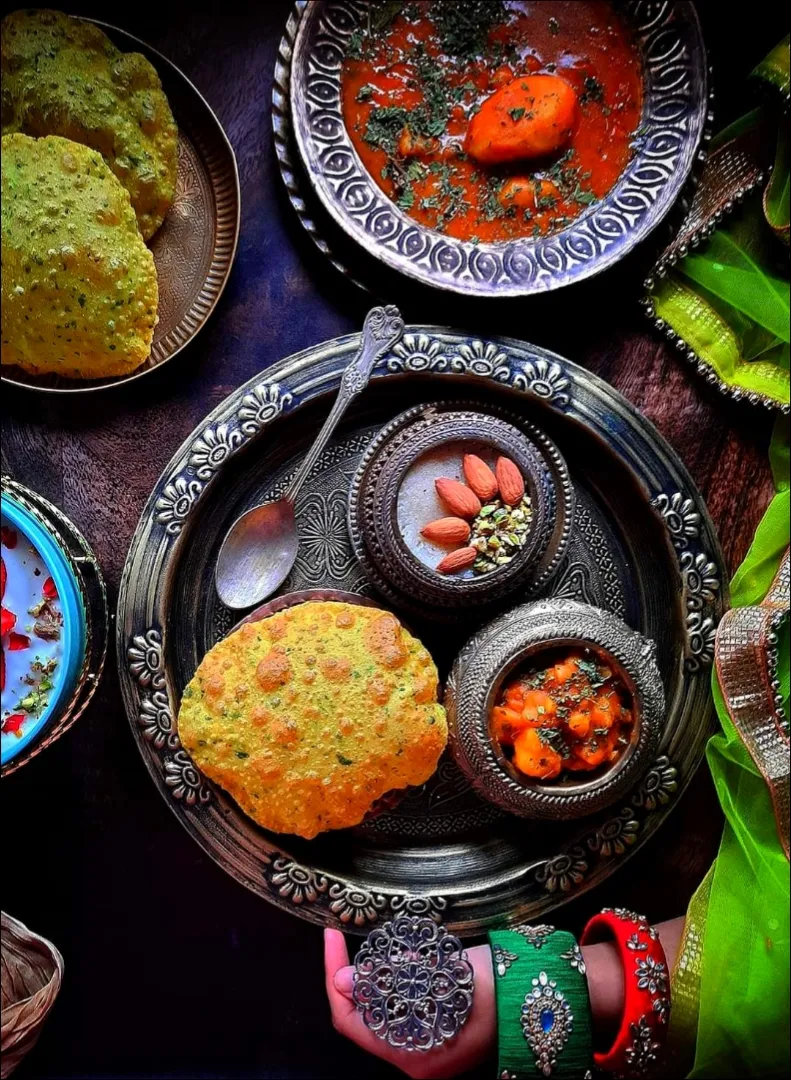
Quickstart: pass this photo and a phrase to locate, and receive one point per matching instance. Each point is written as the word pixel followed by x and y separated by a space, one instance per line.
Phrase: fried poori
pixel 309 716
pixel 63 76
pixel 79 287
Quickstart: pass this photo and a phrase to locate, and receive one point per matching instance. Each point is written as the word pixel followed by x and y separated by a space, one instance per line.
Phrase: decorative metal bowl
pixel 499 649
pixel 377 530
pixel 668 38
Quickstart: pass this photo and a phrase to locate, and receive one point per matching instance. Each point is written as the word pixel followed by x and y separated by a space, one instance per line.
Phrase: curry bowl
pixel 414 195
pixel 504 540
pixel 528 639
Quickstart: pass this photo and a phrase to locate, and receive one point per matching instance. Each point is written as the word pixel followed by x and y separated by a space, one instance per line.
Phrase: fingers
pixel 336 958
pixel 344 981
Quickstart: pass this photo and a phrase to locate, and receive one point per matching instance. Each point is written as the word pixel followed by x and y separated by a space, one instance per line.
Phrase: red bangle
pixel 646 980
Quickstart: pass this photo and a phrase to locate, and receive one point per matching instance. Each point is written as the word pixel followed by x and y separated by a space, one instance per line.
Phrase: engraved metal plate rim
pixel 502 275
pixel 256 859
pixel 289 166
pixel 226 244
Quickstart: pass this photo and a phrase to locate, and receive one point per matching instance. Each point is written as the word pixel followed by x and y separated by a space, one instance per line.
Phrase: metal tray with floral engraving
pixel 668 37
pixel 195 247
pixel 643 547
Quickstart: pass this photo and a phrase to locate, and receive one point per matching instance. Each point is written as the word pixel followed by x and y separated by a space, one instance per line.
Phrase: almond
pixel 510 481
pixel 480 477
pixel 450 530
pixel 457 560
pixel 459 499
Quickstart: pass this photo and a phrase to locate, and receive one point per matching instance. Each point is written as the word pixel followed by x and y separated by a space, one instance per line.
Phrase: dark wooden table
pixel 172 968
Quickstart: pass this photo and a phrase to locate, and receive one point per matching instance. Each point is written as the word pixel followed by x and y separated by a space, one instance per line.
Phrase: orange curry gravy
pixel 412 85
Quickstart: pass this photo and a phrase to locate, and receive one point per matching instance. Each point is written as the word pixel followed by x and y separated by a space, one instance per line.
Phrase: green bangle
pixel 543 1009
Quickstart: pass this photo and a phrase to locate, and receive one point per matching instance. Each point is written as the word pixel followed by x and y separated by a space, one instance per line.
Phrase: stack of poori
pixel 89 164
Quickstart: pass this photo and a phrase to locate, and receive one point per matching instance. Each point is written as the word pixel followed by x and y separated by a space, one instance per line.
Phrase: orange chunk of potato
pixel 539 707
pixel 507 723
pixel 524 193
pixel 533 758
pixel 529 117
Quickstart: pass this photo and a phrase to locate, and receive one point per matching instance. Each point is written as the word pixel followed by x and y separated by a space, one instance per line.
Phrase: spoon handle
pixel 382 328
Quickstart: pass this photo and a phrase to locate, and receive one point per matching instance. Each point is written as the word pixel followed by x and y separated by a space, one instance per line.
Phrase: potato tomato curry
pixel 571 712
pixel 489 120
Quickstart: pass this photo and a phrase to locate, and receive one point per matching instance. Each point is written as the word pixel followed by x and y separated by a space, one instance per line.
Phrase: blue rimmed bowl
pixel 72 643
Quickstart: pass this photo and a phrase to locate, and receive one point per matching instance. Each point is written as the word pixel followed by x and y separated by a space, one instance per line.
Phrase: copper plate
pixel 195 247
pixel 642 547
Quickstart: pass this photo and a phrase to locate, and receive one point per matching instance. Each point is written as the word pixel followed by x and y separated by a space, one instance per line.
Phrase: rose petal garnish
pixel 3 577
pixel 49 589
pixel 8 621
pixel 8 536
pixel 18 642
pixel 13 723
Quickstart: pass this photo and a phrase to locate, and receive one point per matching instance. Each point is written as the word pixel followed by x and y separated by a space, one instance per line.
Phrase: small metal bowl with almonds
pixel 452 507
pixel 555 709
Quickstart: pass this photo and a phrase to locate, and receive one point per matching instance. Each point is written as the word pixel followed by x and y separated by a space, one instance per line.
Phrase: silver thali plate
pixel 644 548
pixel 675 116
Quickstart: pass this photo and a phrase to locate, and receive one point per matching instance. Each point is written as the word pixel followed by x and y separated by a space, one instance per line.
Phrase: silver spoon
pixel 261 546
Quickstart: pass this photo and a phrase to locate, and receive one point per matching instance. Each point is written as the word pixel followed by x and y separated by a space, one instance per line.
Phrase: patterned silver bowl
pixel 668 37
pixel 496 652
pixel 377 526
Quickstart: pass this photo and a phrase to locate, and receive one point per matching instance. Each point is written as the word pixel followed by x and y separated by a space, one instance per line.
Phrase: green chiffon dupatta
pixel 731 983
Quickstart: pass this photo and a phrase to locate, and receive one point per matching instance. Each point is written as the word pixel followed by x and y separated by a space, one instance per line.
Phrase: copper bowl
pixel 505 645
pixel 392 497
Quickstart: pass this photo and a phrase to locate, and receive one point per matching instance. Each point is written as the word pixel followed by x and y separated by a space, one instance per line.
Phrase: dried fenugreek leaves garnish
pixel 498 532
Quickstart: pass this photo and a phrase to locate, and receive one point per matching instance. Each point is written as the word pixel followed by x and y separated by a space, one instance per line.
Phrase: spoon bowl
pixel 261 548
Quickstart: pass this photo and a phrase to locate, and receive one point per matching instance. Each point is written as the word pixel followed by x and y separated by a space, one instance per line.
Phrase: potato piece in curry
pixel 309 716
pixel 63 76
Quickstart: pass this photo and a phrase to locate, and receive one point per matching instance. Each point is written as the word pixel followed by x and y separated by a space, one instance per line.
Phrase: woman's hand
pixel 476 1041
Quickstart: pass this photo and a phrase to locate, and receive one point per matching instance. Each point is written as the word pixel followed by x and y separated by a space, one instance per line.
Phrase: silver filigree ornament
pixel 547 1022
pixel 502 960
pixel 413 984
pixel 536 935
pixel 575 959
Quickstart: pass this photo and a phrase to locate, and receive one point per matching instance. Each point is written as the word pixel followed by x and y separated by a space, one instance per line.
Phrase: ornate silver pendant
pixel 547 1022
pixel 413 984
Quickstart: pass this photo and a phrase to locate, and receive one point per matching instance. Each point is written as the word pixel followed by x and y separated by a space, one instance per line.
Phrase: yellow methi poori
pixel 63 76
pixel 79 286
pixel 309 716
